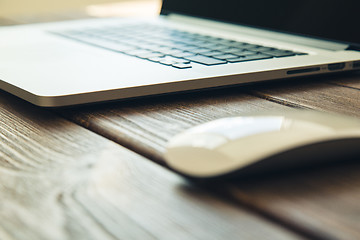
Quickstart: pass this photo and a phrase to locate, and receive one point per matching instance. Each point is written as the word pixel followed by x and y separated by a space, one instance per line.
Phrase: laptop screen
pixel 326 19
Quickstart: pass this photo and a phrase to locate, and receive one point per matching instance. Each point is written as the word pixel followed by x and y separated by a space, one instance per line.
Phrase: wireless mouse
pixel 246 145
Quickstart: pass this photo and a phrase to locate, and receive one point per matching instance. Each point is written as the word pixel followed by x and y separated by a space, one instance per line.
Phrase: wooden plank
pixel 61 181
pixel 351 80
pixel 319 93
pixel 146 125
pixel 322 201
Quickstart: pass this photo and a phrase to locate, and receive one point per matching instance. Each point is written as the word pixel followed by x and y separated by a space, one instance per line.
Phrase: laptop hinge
pixel 301 40
pixel 354 47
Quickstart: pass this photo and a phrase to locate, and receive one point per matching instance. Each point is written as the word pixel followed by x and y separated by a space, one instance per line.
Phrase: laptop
pixel 192 45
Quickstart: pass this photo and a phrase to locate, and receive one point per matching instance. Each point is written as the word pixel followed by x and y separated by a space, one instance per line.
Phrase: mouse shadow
pixel 339 177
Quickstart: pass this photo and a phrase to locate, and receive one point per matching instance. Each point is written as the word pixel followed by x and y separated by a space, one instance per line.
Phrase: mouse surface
pixel 255 144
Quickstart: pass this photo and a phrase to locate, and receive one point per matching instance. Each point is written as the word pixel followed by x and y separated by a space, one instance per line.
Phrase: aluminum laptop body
pixel 43 65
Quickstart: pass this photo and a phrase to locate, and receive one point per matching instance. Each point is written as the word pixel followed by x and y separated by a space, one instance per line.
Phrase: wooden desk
pixel 97 172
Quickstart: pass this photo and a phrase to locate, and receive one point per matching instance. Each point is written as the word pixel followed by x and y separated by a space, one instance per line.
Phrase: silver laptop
pixel 193 44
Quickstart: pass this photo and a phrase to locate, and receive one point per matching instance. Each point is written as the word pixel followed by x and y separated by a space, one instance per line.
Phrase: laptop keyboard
pixel 172 47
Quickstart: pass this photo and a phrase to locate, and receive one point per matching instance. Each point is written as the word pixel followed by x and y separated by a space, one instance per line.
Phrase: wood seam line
pixel 124 144
pixel 341 85
pixel 277 100
pixel 248 203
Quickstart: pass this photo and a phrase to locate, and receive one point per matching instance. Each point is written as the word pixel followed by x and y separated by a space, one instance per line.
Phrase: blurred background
pixel 51 10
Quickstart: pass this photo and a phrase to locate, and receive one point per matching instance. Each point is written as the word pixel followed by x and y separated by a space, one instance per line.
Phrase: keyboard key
pixel 182 65
pixel 173 51
pixel 300 53
pixel 262 49
pixel 183 54
pixel 138 52
pixel 200 50
pixel 226 56
pixel 112 45
pixel 205 60
pixel 169 60
pixel 212 53
pixel 245 53
pixel 156 59
pixel 238 44
pixel 250 46
pixel 209 45
pixel 279 53
pixel 220 47
pixel 177 60
pixel 104 43
pixel 162 49
pixel 249 58
pixel 188 48
pixel 231 50
pixel 150 55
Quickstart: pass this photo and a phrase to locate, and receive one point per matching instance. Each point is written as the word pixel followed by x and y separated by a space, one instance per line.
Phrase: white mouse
pixel 253 144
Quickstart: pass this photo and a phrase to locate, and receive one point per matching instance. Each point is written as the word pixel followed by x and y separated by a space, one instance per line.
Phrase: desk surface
pixel 97 172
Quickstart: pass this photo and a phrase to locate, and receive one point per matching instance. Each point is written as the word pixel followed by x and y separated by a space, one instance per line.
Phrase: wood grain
pixel 350 80
pixel 61 181
pixel 145 125
pixel 304 203
pixel 319 93
pixel 321 201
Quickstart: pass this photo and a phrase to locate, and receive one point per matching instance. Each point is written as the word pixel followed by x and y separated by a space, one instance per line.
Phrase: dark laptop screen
pixel 328 19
